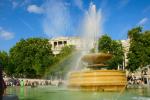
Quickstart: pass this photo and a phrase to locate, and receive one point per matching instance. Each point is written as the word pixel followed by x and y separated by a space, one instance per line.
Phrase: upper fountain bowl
pixel 96 58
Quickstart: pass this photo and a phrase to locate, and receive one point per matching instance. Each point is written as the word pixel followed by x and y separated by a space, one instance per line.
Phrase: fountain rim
pixel 96 58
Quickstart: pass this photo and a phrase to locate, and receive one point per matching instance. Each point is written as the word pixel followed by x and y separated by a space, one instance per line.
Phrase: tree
pixel 134 33
pixel 4 59
pixel 117 54
pixel 63 61
pixel 107 45
pixel 139 51
pixel 67 50
pixel 104 44
pixel 31 57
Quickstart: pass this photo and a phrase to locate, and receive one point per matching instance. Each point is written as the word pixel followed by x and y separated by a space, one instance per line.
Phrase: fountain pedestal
pixel 97 79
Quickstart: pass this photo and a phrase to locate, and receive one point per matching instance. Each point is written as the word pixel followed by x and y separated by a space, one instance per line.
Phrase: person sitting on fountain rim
pixel 2 83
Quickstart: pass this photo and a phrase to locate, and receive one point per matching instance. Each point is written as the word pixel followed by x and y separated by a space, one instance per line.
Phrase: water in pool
pixel 57 93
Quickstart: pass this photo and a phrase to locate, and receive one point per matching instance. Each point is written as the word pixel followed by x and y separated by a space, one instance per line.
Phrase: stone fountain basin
pixel 98 80
pixel 96 58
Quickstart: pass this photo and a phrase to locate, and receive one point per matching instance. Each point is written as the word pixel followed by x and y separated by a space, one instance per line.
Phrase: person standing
pixel 2 83
pixel 22 83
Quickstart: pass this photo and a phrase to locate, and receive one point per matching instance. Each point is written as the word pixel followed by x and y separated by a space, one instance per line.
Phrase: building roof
pixel 63 38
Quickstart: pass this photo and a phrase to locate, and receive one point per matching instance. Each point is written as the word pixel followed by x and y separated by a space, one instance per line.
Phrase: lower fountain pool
pixel 61 93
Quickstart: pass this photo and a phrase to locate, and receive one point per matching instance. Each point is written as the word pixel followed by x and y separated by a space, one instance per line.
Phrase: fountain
pixel 97 78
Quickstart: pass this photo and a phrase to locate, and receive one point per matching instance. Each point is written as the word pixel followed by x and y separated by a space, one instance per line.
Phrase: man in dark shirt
pixel 2 83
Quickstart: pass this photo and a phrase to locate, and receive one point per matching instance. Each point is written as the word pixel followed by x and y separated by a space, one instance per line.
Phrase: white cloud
pixel 79 4
pixel 142 21
pixel 14 4
pixel 19 3
pixel 57 20
pixel 6 35
pixel 67 4
pixel 123 3
pixel 35 9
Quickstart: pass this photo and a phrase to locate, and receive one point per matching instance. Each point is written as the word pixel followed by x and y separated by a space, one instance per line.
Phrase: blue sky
pixel 51 18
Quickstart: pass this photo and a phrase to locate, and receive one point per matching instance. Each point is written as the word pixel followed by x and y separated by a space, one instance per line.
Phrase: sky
pixel 22 19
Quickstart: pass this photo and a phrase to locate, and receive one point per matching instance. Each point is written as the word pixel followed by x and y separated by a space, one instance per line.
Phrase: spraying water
pixel 91 29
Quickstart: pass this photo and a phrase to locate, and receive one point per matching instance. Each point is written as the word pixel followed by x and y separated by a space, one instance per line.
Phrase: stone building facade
pixel 126 45
pixel 59 42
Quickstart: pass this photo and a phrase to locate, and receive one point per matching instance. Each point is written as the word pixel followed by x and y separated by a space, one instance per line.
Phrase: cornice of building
pixel 63 38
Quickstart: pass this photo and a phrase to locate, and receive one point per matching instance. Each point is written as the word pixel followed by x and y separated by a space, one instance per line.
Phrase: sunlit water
pixel 57 93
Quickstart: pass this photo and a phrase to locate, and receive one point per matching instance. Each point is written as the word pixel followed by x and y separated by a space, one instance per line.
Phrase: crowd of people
pixel 4 83
pixel 135 80
pixel 26 82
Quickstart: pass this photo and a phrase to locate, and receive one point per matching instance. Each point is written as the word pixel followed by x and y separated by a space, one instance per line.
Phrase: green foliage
pixel 92 50
pixel 6 63
pixel 118 54
pixel 63 61
pixel 66 50
pixel 31 57
pixel 4 59
pixel 134 33
pixel 104 44
pixel 139 51
pixel 107 45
